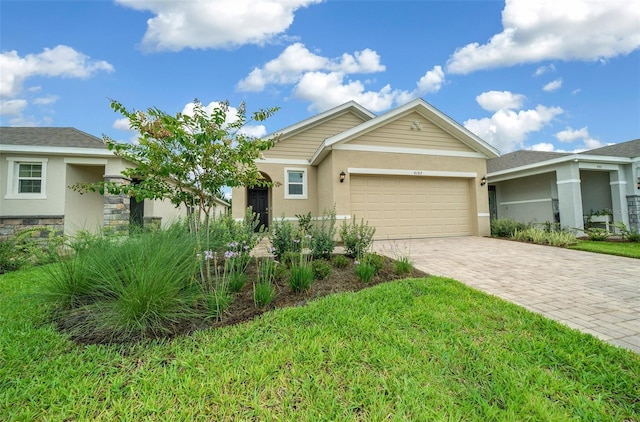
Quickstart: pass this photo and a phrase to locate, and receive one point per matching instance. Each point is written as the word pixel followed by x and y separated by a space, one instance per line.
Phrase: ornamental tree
pixel 187 159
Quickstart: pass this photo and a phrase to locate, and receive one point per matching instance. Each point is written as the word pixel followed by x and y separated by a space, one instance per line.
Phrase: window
pixel 29 178
pixel 295 183
pixel 26 178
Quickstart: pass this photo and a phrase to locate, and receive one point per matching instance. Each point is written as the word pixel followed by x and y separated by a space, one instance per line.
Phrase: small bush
pixel 402 265
pixel 321 269
pixel 340 261
pixel 323 234
pixel 304 222
pixel 597 234
pixel 506 227
pixel 542 237
pixel 630 234
pixel 29 247
pixel 284 238
pixel 377 261
pixel 357 238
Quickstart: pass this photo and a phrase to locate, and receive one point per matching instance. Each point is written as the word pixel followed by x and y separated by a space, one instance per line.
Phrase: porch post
pixel 117 207
pixel 620 209
pixel 569 196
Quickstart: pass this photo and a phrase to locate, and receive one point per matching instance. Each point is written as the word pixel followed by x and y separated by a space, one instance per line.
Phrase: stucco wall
pixel 596 190
pixel 527 199
pixel 83 211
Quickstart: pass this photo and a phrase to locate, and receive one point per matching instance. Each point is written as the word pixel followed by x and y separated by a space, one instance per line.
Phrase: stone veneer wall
pixel 10 226
pixel 633 203
pixel 117 207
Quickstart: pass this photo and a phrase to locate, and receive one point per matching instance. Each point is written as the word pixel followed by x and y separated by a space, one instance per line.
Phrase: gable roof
pixel 66 137
pixel 306 124
pixel 523 159
pixel 520 158
pixel 420 106
pixel 628 149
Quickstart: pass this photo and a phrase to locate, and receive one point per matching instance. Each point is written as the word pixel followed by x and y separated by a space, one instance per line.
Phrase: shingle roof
pixel 49 137
pixel 630 149
pixel 520 158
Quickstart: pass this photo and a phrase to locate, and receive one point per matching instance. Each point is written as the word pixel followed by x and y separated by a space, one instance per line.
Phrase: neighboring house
pixel 602 184
pixel 37 166
pixel 411 172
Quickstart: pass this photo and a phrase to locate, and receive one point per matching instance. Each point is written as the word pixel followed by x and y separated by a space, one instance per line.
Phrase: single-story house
pixel 601 186
pixel 39 164
pixel 411 172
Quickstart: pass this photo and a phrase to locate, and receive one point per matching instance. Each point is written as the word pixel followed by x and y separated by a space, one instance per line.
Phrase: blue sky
pixel 546 75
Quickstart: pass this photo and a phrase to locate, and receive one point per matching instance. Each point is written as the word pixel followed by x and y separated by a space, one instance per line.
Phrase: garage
pixel 409 206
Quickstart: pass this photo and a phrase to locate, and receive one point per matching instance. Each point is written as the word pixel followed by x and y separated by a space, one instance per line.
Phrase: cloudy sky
pixel 558 75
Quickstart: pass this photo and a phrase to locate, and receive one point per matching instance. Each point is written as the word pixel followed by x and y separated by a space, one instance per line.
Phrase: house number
pixel 417 173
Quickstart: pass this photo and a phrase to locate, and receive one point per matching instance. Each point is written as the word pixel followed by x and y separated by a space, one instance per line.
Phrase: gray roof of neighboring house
pixel 520 158
pixel 628 149
pixel 49 137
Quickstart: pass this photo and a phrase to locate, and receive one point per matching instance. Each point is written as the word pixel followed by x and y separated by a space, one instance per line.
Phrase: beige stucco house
pixel 602 185
pixel 411 172
pixel 37 166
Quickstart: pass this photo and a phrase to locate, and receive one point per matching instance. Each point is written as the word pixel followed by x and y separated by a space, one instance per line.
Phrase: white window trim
pixel 304 194
pixel 12 178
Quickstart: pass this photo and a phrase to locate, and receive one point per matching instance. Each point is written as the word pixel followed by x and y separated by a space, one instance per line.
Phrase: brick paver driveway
pixel 595 293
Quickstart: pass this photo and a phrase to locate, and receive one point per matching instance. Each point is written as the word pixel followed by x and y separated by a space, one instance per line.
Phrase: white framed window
pixel 295 183
pixel 26 178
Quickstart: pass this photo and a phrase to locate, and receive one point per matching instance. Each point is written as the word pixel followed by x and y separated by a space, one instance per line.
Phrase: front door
pixel 258 200
pixel 493 204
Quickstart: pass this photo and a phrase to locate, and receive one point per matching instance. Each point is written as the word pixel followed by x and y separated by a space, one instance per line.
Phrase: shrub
pixel 29 247
pixel 506 227
pixel 377 261
pixel 541 236
pixel 597 234
pixel 284 238
pixel 402 265
pixel 304 223
pixel 323 234
pixel 226 230
pixel 630 234
pixel 321 269
pixel 340 261
pixel 356 237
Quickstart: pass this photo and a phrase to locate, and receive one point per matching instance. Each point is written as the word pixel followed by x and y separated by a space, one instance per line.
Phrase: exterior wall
pixel 305 144
pixel 83 211
pixel 527 199
pixel 116 207
pixel 328 178
pixel 165 210
pixel 411 131
pixel 633 203
pixel 52 204
pixel 595 190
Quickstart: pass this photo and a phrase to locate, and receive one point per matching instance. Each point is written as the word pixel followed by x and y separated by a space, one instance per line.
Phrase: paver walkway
pixel 595 293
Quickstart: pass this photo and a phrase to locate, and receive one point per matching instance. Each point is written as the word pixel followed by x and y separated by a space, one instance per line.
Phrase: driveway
pixel 595 293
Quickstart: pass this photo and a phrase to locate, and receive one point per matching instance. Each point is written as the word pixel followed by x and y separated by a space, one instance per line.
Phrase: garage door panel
pixel 401 206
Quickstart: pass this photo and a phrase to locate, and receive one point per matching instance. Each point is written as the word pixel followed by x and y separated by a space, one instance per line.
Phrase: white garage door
pixel 403 207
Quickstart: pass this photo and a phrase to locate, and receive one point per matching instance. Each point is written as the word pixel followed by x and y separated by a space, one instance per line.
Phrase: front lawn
pixel 628 249
pixel 418 349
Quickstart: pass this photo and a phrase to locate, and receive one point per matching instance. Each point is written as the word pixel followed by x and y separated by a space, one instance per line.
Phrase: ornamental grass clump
pixel 264 291
pixel 364 269
pixel 301 271
pixel 127 288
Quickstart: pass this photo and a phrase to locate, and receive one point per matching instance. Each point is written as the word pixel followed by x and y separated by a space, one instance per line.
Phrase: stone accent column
pixel 633 204
pixel 570 196
pixel 117 207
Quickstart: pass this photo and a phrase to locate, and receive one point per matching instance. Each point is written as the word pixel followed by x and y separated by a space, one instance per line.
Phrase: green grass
pixel 420 349
pixel 628 249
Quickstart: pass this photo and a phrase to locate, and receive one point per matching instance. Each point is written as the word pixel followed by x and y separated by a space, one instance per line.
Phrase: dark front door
pixel 258 200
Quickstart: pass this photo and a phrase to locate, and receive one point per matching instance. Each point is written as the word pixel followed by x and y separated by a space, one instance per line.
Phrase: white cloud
pixel 121 124
pixel 544 69
pixel 507 129
pixel 46 100
pixel 214 23
pixel 60 61
pixel 576 91
pixel 232 116
pixel 296 60
pixel 553 85
pixel 570 135
pixel 535 31
pixel 431 81
pixel 498 100
pixel 12 107
pixel 591 143
pixel 326 90
pixel 543 146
